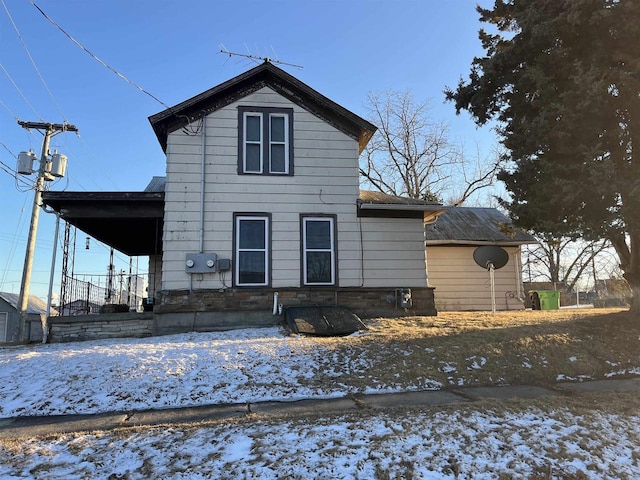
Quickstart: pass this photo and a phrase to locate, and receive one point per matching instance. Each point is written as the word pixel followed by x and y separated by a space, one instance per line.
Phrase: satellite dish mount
pixel 491 258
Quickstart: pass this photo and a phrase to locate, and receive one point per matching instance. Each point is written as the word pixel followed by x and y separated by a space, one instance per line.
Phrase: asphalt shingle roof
pixel 475 225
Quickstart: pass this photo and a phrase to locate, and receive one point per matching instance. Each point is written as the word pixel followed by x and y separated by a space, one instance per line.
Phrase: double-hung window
pixel 318 250
pixel 252 250
pixel 265 141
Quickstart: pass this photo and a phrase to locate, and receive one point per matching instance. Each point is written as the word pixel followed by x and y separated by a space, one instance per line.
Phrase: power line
pixel 9 170
pixel 12 249
pixel 20 92
pixel 97 163
pixel 8 150
pixel 101 62
pixel 15 117
pixel 35 67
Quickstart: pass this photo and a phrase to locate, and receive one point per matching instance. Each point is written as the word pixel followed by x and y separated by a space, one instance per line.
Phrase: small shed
pixel 10 317
pixel 459 282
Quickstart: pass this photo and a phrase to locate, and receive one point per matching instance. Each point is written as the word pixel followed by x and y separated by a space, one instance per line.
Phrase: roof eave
pixel 504 243
pixel 430 213
pixel 238 87
pixel 402 206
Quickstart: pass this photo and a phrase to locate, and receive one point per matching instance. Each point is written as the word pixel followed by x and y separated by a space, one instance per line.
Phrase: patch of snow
pixel 477 362
pixel 237 448
pixel 448 367
pixel 161 372
pixel 624 371
pixel 466 443
pixel 573 358
pixel 565 378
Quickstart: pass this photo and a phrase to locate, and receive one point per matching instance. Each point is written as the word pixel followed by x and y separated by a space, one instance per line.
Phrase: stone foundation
pixel 241 307
pixel 95 327
pixel 213 310
pixel 365 302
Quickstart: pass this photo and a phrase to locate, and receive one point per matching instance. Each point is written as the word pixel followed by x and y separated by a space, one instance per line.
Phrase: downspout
pixel 518 267
pixel 275 303
pixel 202 181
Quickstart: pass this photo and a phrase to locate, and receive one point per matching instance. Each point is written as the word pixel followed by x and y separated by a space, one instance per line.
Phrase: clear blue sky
pixel 171 49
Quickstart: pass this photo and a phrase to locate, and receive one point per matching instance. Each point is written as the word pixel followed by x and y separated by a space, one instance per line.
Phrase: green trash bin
pixel 544 299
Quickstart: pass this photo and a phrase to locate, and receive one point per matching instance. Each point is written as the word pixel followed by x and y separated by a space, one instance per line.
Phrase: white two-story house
pixel 261 207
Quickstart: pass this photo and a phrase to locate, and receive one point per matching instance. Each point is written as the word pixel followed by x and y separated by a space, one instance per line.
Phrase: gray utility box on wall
pixel 201 263
pixel 224 264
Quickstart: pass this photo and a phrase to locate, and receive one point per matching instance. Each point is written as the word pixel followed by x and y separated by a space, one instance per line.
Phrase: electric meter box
pixel 201 263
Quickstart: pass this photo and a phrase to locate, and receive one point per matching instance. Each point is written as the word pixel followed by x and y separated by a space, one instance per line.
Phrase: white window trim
pixel 252 142
pixel 265 219
pixel 265 114
pixel 332 249
pixel 285 143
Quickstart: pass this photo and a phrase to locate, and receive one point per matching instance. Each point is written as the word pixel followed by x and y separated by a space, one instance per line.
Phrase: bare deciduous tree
pixel 564 260
pixel 412 155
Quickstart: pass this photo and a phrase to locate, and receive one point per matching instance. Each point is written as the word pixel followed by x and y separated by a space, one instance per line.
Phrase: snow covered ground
pixel 470 441
pixel 466 443
pixel 160 372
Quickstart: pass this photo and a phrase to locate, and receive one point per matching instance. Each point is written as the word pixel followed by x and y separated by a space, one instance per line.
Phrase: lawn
pixel 587 437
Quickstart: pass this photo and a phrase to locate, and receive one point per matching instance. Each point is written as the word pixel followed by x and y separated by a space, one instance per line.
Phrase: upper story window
pixel 265 141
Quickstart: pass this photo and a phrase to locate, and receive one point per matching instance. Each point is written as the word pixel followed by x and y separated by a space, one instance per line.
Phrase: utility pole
pixel 50 130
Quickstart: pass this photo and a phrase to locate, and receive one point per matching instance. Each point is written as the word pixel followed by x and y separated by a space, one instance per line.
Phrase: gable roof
pixel 475 226
pixel 266 74
pixel 34 305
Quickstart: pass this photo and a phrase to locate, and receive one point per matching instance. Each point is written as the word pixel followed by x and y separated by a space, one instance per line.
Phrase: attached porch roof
pixel 130 222
pixel 377 204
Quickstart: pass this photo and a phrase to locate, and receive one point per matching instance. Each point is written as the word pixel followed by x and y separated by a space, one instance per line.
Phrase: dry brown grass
pixel 479 348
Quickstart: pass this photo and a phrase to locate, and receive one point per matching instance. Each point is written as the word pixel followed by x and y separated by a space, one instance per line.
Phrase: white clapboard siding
pixel 325 182
pixel 393 235
pixel 462 285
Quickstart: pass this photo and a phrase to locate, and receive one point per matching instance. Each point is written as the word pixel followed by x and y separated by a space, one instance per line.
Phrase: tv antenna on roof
pixel 224 50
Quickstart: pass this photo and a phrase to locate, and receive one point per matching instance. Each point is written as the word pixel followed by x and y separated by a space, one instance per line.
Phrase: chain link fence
pixel 88 294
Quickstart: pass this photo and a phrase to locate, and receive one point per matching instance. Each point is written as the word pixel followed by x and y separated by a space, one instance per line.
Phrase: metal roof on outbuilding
pixel 157 184
pixel 34 305
pixel 475 226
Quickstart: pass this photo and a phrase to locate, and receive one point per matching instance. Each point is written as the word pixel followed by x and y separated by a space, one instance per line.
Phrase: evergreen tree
pixel 562 79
